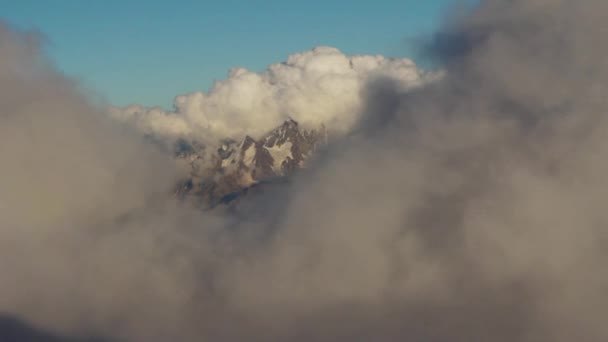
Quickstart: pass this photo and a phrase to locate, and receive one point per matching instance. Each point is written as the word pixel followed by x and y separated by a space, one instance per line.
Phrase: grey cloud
pixel 472 209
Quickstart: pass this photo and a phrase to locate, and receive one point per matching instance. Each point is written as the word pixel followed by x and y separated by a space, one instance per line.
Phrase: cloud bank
pixel 320 86
pixel 471 209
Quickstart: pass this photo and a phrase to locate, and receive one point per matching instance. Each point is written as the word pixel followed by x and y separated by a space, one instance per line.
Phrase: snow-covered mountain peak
pixel 232 166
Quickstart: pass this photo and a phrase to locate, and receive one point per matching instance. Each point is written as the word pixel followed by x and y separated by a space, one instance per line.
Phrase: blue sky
pixel 143 51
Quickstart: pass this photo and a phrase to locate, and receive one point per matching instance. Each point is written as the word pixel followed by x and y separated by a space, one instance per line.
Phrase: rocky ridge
pixel 216 173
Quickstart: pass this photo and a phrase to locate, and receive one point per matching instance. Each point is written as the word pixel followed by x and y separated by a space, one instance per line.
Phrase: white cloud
pixel 319 86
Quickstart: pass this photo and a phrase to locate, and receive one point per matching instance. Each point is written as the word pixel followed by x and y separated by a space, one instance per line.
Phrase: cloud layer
pixel 471 209
pixel 320 86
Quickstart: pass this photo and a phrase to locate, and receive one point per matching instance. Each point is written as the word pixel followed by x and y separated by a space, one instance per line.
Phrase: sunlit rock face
pixel 217 173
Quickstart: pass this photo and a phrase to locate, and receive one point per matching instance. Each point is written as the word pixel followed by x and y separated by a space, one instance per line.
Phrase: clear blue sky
pixel 145 51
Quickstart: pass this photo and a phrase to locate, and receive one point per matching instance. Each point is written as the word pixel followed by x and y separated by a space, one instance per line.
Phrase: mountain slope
pixel 231 167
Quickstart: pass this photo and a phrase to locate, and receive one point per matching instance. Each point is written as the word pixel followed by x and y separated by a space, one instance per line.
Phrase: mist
pixel 471 208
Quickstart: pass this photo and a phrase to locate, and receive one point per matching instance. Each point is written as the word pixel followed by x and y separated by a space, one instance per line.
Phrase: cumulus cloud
pixel 471 209
pixel 320 86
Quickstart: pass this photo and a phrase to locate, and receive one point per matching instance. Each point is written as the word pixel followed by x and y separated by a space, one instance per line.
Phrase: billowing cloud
pixel 320 86
pixel 68 247
pixel 471 209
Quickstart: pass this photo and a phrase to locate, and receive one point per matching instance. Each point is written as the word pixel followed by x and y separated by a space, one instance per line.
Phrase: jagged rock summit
pixel 216 172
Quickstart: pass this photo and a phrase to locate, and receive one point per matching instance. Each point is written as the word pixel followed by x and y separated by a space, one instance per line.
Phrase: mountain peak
pixel 236 166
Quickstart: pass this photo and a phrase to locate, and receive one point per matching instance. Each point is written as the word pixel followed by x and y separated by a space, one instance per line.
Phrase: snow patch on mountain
pixel 279 154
